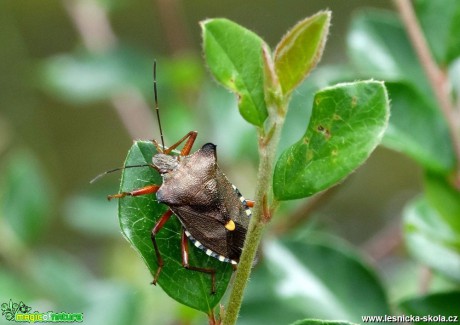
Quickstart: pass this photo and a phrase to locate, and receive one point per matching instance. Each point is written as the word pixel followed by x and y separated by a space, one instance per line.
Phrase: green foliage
pixel 414 110
pixel 85 77
pixel 444 198
pixel 300 50
pixel 320 322
pixel 435 305
pixel 234 56
pixel 26 202
pixel 306 279
pixel 314 277
pixel 411 116
pixel 347 123
pixel 441 25
pixel 137 217
pixel 431 240
pixel 379 47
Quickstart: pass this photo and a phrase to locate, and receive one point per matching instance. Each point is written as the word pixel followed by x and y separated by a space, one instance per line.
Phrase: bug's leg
pixel 212 272
pixel 164 218
pixel 190 137
pixel 250 203
pixel 150 189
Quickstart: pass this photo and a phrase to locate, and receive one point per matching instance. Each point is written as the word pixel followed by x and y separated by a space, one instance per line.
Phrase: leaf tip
pixel 301 49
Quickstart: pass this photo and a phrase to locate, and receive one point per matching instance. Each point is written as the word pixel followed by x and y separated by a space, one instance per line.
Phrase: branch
pixel 268 143
pixel 436 77
pixel 172 19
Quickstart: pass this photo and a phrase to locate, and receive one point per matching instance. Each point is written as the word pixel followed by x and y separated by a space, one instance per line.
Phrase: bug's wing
pixel 208 229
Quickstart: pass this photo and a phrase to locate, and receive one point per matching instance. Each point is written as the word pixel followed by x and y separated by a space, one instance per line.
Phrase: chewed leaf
pixel 347 123
pixel 138 215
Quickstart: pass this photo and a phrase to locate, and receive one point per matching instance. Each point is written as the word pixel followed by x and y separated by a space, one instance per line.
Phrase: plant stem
pixel 437 78
pixel 267 151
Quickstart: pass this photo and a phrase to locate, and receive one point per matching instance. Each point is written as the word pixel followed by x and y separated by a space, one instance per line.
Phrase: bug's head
pixel 164 163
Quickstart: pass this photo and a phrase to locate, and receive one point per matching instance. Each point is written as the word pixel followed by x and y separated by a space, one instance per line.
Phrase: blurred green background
pixel 75 90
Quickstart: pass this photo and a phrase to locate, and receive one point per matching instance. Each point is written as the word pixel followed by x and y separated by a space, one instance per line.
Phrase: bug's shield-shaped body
pixel 205 202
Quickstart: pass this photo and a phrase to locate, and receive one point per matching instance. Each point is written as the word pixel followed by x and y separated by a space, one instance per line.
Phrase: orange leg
pixel 212 272
pixel 250 203
pixel 164 218
pixel 150 189
pixel 190 137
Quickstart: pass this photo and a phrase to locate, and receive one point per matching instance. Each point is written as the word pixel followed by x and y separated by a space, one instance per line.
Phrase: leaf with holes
pixel 138 216
pixel 347 123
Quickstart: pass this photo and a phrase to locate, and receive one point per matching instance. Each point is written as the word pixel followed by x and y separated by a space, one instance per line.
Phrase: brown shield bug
pixel 213 213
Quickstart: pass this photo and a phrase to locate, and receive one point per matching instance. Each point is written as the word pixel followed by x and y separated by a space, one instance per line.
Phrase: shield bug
pixel 213 213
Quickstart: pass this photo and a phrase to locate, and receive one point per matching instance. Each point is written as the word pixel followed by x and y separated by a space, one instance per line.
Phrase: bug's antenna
pixel 116 169
pixel 156 101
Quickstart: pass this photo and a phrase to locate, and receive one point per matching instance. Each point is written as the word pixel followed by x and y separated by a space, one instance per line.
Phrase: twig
pixel 268 143
pixel 385 242
pixel 436 77
pixel 426 277
pixel 173 22
pixel 94 28
pixel 92 24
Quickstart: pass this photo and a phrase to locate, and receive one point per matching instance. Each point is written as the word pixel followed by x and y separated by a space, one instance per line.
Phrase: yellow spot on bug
pixel 230 225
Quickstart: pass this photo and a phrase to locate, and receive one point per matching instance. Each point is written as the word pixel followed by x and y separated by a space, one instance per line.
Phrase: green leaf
pixel 347 123
pixel 316 277
pixel 438 305
pixel 440 21
pixel 301 49
pixel 444 198
pixel 124 304
pixel 431 240
pixel 320 322
pixel 301 101
pixel 234 56
pixel 89 215
pixel 411 117
pixel 379 48
pixel 138 216
pixel 52 270
pixel 87 77
pixel 26 202
pixel 14 287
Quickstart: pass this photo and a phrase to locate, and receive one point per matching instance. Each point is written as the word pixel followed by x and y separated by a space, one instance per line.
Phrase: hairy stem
pixel 436 77
pixel 267 151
